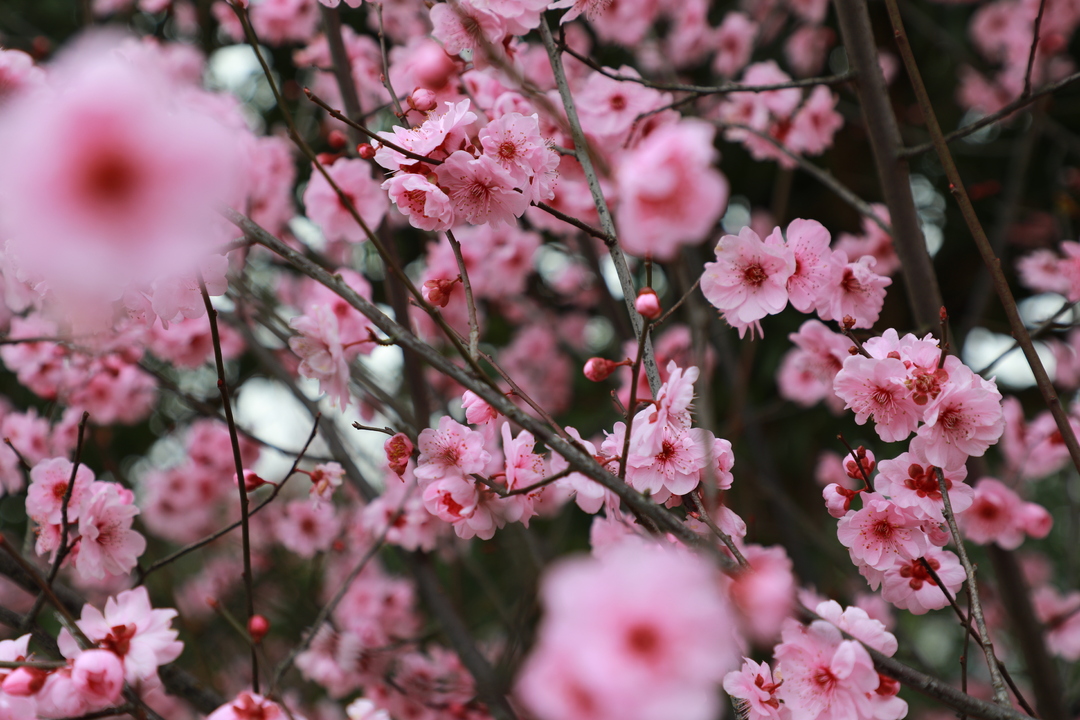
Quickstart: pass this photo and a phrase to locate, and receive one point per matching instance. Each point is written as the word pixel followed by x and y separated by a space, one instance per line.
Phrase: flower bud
pixel 337 139
pixel 437 292
pixel 99 676
pixel 423 100
pixel 366 150
pixel 258 626
pixel 599 369
pixel 24 681
pixel 252 481
pixel 648 303
pixel 398 450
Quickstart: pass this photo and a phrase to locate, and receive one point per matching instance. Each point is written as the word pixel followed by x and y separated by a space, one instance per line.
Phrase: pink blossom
pixel 514 142
pixel 838 499
pixel 250 706
pixel 1059 615
pixel 669 192
pixel 910 586
pixel 873 241
pixel 18 72
pixel 141 636
pixel 605 651
pixel 107 544
pixel 480 190
pixel 477 411
pixel 325 478
pixel 964 420
pixel 815 123
pixel 590 8
pixel 424 203
pixel 999 515
pixel 589 495
pixel 398 449
pixel 281 21
pixel 437 137
pixel 49 483
pixel 808 370
pixel 859 292
pixel 326 208
pixel 306 529
pixel 114 178
pixel 676 468
pixel 912 482
pixel 749 278
pixel 322 356
pixel 459 502
pixel 764 594
pixel 670 410
pixel 465 26
pixel 754 688
pixel 808 240
pixel 452 450
pixel 881 533
pixel 824 675
pixel 98 675
pixel 875 388
pixel 806 48
pixel 734 44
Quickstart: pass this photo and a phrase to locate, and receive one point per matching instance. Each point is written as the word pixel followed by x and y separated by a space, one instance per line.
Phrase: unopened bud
pixel 438 291
pixel 251 481
pixel 399 449
pixel 258 626
pixel 366 150
pixel 422 100
pixel 327 159
pixel 24 681
pixel 337 139
pixel 648 303
pixel 599 369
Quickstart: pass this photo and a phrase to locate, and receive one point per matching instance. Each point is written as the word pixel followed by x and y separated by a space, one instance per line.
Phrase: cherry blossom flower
pixel 734 43
pixel 1059 615
pixel 999 515
pixel 912 482
pixel 749 278
pixel 251 706
pixel 452 450
pixel 604 651
pixel 808 240
pixel 115 176
pixel 881 533
pixel 49 483
pixel 808 370
pixel 423 202
pixel 98 676
pixel 480 189
pixel 859 292
pixel 141 636
pixel 875 388
pixel 589 495
pixel 962 421
pixel 326 208
pixel 754 687
pixel 322 356
pixel 676 468
pixel 764 594
pixel 670 194
pixel 824 675
pixel 910 586
pixel 306 529
pixel 107 544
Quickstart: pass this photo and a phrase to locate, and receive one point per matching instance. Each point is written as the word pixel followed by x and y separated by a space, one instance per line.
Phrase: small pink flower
pixel 107 544
pixel 305 529
pixel 325 478
pixel 452 450
pixel 480 189
pixel 322 356
pixel 98 675
pixel 875 388
pixel 326 208
pixel 858 293
pixel 477 411
pixel 910 586
pixel 423 202
pixel 749 278
pixel 881 533
pixel 648 304
pixel 48 485
pixel 754 687
pixel 964 420
pixel 808 240
pixel 249 706
pixel 912 482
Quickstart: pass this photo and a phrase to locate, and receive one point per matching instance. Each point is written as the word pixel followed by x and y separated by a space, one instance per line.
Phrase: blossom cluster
pixel 752 278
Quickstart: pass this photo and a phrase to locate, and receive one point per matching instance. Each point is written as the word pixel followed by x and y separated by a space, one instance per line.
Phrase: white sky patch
pixel 983 347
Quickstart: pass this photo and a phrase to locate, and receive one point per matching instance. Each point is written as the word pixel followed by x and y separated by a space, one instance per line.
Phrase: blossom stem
pixel 470 301
pixel 234 438
pixel 993 263
pixel 631 407
pixel 607 225
pixel 1001 695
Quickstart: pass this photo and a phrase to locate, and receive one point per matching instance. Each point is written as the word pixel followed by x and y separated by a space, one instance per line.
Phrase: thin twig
pixel 234 438
pixel 1034 49
pixel 631 406
pixel 702 513
pixel 470 301
pixel 1001 695
pixel 994 117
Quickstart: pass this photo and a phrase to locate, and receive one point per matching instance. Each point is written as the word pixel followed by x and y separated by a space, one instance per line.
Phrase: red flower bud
pixel 598 369
pixel 398 449
pixel 366 150
pixel 258 626
pixel 337 139
pixel 423 100
pixel 437 292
